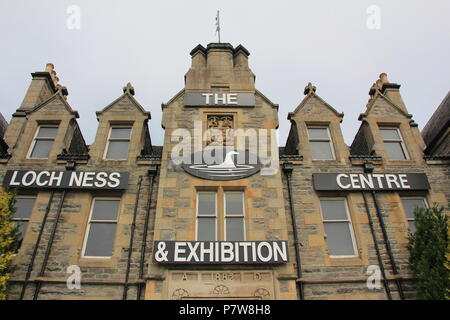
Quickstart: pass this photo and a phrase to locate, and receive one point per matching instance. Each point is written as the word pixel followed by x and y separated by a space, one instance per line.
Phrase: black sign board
pixel 32 179
pixel 220 252
pixel 370 181
pixel 224 164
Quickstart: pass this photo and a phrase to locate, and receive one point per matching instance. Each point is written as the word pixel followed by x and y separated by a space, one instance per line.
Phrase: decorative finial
pixel 128 88
pixel 308 88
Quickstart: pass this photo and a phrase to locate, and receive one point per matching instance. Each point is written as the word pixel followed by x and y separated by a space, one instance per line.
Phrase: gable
pixel 55 105
pixel 381 106
pixel 124 105
pixel 313 105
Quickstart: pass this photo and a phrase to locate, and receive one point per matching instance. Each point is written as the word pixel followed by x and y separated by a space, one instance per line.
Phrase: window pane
pixel 334 209
pixel 206 203
pixel 321 150
pixel 120 133
pixel 117 150
pixel 23 208
pixel 235 229
pixel 339 239
pixel 105 210
pixel 389 134
pixel 234 204
pixel 46 132
pixel 394 151
pixel 410 205
pixel 318 133
pixel 100 240
pixel 22 227
pixel 42 148
pixel 412 228
pixel 206 229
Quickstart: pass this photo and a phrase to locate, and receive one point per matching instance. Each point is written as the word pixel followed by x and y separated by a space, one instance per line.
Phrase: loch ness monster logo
pixel 233 165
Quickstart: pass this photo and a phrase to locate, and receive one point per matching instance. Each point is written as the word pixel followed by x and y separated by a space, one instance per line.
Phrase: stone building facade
pixel 310 220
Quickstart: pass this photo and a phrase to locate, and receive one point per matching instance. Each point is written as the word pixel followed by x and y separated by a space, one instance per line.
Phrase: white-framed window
pixel 206 216
pixel 338 227
pixel 409 205
pixel 234 216
pixel 118 143
pixel 24 207
pixel 321 143
pixel 393 144
pixel 101 228
pixel 42 142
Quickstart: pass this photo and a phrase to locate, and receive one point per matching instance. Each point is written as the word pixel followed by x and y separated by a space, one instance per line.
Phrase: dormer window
pixel 43 142
pixel 393 144
pixel 118 143
pixel 320 142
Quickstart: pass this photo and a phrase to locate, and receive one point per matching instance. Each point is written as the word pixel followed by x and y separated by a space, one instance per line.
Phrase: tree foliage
pixel 8 239
pixel 429 253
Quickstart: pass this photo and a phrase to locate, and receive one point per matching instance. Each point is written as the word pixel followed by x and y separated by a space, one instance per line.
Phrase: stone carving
pixel 179 294
pixel 223 123
pixel 262 293
pixel 221 290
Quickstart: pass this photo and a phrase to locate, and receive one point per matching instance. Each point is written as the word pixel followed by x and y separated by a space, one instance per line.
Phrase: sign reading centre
pixel 66 179
pixel 370 181
pixel 220 252
pixel 219 99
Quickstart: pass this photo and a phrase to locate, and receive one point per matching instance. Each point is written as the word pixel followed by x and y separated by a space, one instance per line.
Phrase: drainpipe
pixel 287 169
pixel 151 174
pixel 36 245
pixel 49 246
pixel 377 249
pixel 130 247
pixel 388 245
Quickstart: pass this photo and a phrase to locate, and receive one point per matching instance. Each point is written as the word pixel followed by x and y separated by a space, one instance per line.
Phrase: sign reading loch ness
pixel 219 99
pixel 220 252
pixel 221 164
pixel 66 179
pixel 370 181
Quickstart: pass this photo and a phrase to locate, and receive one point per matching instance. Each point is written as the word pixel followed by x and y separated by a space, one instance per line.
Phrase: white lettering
pixel 38 180
pixel 87 179
pixel 13 178
pixel 76 177
pixel 207 95
pixel 101 177
pixel 379 177
pixel 223 99
pixel 392 179
pixel 26 175
pixel 339 182
pixel 179 250
pixel 404 181
pixel 354 181
pixel 56 176
pixel 227 254
pixel 232 98
pixel 366 181
pixel 115 180
pixel 279 251
pixel 269 251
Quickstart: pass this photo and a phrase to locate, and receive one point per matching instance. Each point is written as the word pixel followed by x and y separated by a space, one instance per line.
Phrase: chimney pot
pixel 384 78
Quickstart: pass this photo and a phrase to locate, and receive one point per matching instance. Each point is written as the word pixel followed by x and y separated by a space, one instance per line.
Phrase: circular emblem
pixel 222 164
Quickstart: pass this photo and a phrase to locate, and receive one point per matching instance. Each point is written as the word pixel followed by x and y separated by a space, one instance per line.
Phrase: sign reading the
pixel 220 252
pixel 222 165
pixel 219 99
pixel 370 181
pixel 66 179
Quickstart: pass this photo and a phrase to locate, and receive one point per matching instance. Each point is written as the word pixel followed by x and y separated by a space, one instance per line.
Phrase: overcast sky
pixel 291 43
